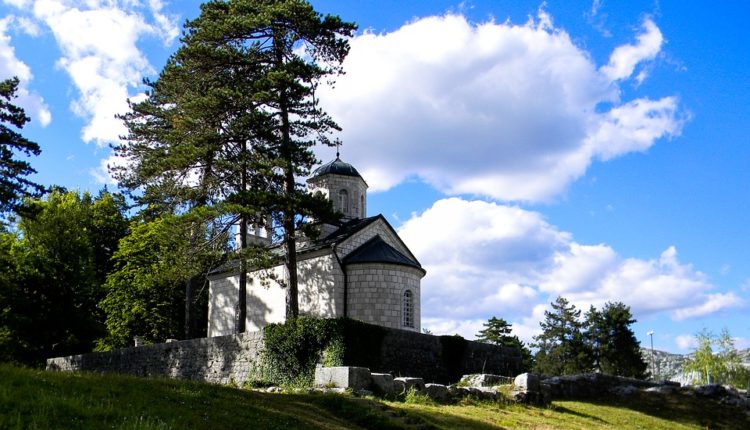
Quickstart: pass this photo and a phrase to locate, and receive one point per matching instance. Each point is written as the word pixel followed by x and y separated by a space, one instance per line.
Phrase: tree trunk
pixel 240 311
pixel 290 241
pixel 189 314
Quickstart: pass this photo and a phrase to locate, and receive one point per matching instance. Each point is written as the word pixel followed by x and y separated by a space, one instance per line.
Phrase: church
pixel 359 268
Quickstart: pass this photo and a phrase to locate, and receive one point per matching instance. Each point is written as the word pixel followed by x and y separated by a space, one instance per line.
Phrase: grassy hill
pixel 33 399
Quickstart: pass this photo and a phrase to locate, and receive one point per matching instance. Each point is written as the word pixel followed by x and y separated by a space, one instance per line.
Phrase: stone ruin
pixel 528 388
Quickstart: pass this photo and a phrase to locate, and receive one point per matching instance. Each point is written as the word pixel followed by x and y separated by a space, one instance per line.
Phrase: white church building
pixel 359 268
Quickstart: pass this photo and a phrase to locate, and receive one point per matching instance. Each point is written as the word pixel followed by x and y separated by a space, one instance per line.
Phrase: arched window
pixel 344 201
pixel 408 309
pixel 362 206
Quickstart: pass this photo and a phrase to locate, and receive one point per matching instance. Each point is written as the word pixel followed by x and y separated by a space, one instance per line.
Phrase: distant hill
pixel 670 366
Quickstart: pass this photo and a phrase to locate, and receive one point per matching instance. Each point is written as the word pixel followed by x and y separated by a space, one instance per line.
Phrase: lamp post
pixel 653 363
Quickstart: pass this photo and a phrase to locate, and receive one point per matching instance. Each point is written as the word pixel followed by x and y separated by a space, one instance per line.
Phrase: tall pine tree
pixel 14 182
pixel 615 350
pixel 562 349
pixel 232 119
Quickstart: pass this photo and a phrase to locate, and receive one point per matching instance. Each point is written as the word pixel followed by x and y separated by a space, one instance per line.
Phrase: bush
pixel 294 348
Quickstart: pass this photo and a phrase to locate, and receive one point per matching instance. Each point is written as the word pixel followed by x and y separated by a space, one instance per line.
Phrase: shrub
pixel 294 348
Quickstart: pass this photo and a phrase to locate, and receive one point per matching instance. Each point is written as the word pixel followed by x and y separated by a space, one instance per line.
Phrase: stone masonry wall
pixel 219 360
pixel 233 358
pixel 441 359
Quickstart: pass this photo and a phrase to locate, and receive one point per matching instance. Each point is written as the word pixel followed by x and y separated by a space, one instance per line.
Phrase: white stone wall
pixel 320 288
pixel 376 293
pixel 321 291
pixel 356 189
pixel 266 302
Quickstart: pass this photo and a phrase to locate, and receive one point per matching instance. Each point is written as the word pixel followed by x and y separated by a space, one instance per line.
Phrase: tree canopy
pixel 715 360
pixel 603 341
pixel 562 349
pixel 614 348
pixel 54 266
pixel 231 120
pixel 143 293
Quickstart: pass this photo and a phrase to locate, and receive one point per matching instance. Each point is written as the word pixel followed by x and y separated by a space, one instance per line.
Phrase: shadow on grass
pixel 683 409
pixel 38 399
pixel 564 410
pixel 372 414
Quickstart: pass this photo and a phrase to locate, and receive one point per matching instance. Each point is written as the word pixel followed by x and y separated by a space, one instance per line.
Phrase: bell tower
pixel 343 186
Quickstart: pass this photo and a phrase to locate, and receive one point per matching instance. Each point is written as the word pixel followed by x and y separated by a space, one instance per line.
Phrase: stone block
pixel 416 383
pixel 356 378
pixel 382 383
pixel 437 392
pixel 624 390
pixel 399 386
pixel 482 380
pixel 526 382
pixel 456 391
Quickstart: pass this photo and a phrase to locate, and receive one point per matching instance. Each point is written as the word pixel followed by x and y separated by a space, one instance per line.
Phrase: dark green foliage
pixel 603 342
pixel 562 347
pixel 14 182
pixel 497 331
pixel 615 350
pixel 54 268
pixel 145 293
pixel 292 349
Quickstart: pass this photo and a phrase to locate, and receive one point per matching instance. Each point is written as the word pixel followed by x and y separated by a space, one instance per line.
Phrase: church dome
pixel 336 167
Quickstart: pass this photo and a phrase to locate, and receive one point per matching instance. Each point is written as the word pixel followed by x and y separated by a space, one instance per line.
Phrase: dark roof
pixel 344 231
pixel 336 167
pixel 376 250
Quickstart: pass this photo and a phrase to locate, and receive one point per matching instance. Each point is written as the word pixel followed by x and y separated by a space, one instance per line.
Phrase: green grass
pixel 33 399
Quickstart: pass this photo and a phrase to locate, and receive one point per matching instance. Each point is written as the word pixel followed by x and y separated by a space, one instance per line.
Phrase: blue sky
pixel 592 149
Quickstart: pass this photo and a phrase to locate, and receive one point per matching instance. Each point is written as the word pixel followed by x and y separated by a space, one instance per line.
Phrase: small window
pixel 408 309
pixel 362 206
pixel 344 201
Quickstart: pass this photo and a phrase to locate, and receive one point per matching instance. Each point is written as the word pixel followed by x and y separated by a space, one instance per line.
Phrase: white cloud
pixel 714 303
pixel 513 112
pixel 101 57
pixel 99 43
pixel 11 66
pixel 625 58
pixel 484 259
pixel 166 24
pixel 18 3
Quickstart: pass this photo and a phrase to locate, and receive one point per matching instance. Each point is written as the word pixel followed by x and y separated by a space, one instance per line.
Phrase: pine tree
pixel 14 184
pixel 562 349
pixel 231 121
pixel 497 331
pixel 614 348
